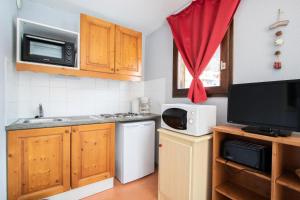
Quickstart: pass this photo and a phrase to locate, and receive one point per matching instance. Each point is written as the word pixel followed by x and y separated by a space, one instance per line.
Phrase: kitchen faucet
pixel 41 111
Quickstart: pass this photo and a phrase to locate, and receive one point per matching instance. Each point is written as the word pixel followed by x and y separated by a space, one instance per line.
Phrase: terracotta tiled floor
pixel 145 188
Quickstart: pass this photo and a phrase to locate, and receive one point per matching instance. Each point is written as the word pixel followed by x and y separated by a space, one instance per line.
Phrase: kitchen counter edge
pixel 14 126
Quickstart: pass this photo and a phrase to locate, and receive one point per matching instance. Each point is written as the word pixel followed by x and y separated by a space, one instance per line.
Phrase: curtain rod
pixel 183 7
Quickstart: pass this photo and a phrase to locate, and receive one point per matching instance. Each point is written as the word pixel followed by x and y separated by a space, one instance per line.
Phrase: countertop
pixel 77 120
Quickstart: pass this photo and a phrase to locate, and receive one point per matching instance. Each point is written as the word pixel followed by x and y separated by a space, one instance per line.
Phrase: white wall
pixel 7 11
pixel 253 51
pixel 63 95
pixel 253 42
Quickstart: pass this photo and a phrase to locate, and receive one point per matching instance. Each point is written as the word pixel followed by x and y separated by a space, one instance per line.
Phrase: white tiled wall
pixel 156 91
pixel 64 95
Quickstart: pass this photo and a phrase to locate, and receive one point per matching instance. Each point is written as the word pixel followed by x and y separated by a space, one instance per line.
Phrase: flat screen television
pixel 271 108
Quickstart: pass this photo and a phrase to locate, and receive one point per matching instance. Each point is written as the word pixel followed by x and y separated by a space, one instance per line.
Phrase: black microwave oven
pixel 49 51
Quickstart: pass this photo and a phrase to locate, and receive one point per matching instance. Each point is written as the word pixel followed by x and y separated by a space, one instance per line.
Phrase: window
pixel 216 77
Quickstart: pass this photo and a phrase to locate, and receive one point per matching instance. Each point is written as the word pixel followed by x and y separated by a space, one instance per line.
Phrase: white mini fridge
pixel 135 147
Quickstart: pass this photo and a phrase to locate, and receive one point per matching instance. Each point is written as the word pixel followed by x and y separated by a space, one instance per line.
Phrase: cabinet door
pixel 128 52
pixel 97 44
pixel 38 162
pixel 92 153
pixel 175 162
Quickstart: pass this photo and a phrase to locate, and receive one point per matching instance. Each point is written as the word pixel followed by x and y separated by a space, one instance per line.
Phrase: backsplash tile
pixel 58 93
pixel 40 93
pixel 63 95
pixel 57 108
pixel 24 79
pixel 156 91
pixel 24 93
pixel 101 84
pixel 40 80
pixel 58 81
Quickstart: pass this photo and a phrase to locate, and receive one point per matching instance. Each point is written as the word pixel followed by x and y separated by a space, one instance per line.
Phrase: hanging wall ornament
pixel 279 22
pixel 278 42
pixel 277 63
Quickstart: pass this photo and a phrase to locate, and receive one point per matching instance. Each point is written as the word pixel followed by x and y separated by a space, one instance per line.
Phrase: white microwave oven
pixel 190 119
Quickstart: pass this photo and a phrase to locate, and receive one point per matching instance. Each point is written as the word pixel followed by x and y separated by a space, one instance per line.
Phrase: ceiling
pixel 142 15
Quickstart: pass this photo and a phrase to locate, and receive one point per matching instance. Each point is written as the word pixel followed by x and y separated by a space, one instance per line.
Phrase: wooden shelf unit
pixel 235 181
pixel 289 180
pixel 236 192
pixel 244 169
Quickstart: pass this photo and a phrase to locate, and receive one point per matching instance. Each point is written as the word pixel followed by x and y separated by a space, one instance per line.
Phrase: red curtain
pixel 198 30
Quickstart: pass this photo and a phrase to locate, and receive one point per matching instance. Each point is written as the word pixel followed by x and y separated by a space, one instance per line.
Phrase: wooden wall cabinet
pixel 128 51
pixel 184 166
pixel 110 48
pixel 97 44
pixel 38 162
pixel 92 153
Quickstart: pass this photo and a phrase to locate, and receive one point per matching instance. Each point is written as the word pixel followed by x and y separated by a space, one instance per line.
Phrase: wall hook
pixel 279 22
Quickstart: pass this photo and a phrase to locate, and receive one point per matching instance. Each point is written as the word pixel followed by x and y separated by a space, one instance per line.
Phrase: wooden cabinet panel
pixel 92 153
pixel 97 44
pixel 38 162
pixel 128 52
pixel 184 166
pixel 175 181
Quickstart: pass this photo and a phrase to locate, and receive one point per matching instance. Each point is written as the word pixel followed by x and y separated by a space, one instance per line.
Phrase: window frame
pixel 226 74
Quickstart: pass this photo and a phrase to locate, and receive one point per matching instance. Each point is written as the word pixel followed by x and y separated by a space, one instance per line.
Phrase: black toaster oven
pixel 49 51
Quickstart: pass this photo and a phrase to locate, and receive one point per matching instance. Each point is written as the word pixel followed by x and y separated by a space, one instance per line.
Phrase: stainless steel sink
pixel 41 120
pixel 56 119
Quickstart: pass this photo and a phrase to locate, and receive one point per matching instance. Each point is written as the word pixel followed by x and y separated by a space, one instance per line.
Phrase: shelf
pixel 43 30
pixel 236 192
pixel 289 180
pixel 245 169
pixel 293 140
pixel 42 68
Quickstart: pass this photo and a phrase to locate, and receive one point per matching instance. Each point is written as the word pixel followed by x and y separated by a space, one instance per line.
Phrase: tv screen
pixel 268 104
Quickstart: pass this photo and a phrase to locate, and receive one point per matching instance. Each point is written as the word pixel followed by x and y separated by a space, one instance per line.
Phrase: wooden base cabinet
pixel 38 162
pixel 47 161
pixel 92 153
pixel 184 166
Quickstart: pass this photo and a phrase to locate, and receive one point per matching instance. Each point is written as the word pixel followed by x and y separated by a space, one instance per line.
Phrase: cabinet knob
pixel 66 131
pixel 117 70
pixel 160 145
pixel 111 69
